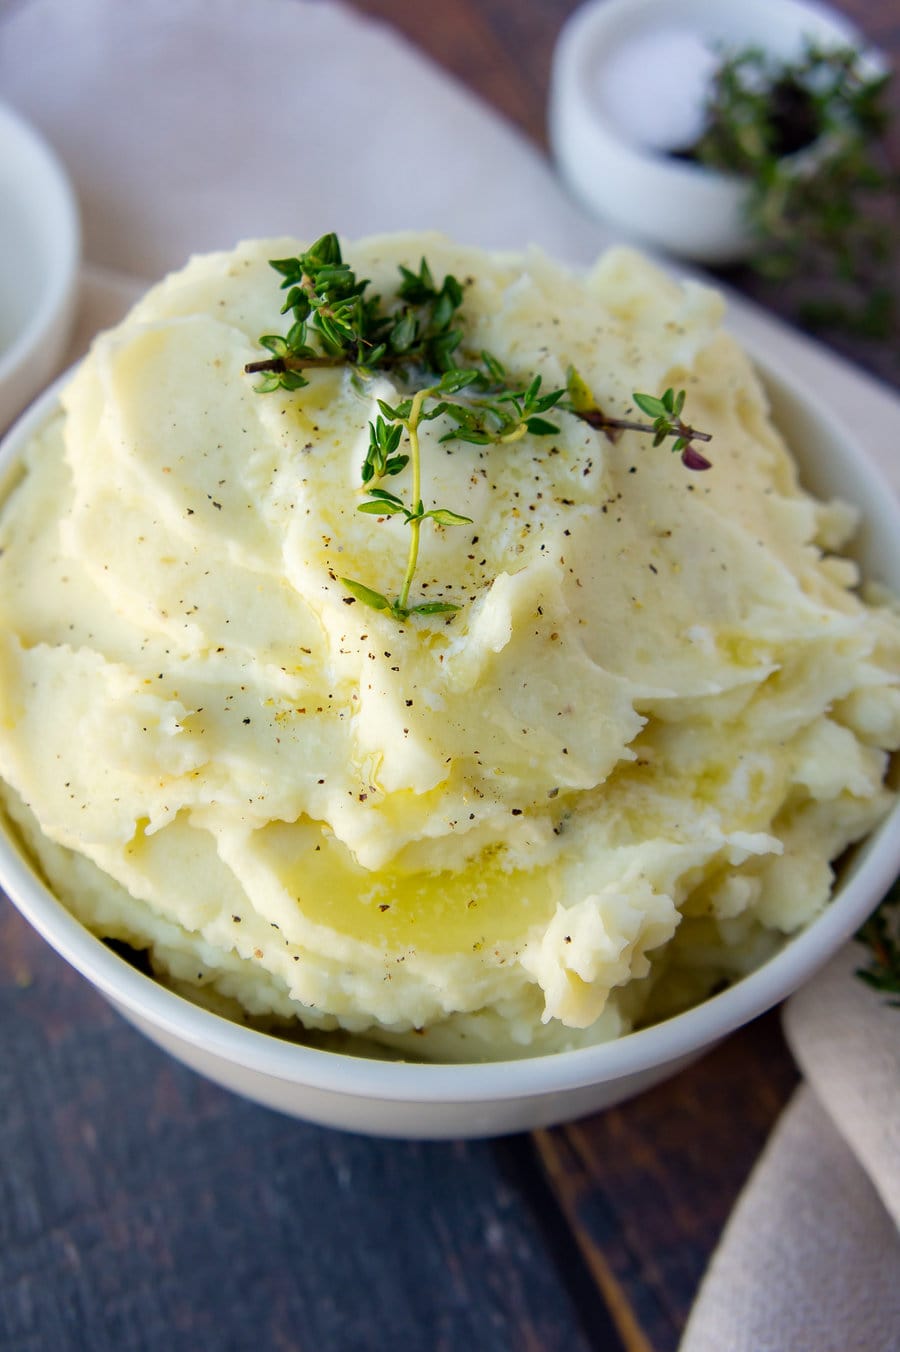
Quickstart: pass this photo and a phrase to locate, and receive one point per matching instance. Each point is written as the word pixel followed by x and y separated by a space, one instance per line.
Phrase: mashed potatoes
pixel 613 777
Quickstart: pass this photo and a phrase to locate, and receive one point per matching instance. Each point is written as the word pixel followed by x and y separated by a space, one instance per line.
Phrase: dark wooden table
pixel 142 1208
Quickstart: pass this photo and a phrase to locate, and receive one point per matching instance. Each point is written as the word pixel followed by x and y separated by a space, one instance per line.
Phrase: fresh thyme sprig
pixel 416 337
pixel 506 418
pixel 665 412
pixel 382 460
pixel 881 936
pixel 335 322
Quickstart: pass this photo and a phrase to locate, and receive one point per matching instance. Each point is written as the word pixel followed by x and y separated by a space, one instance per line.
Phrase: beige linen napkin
pixel 187 124
pixel 810 1258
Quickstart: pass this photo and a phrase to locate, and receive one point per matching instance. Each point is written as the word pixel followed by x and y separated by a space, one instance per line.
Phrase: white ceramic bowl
pixel 425 1101
pixel 40 242
pixel 682 207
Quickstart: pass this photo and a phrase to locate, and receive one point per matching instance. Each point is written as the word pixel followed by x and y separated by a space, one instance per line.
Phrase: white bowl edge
pixel 34 353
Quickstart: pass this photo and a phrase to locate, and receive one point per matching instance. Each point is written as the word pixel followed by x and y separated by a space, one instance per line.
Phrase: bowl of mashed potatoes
pixel 473 836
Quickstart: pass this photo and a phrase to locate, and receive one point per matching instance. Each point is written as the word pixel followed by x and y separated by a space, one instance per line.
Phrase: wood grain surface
pixel 145 1210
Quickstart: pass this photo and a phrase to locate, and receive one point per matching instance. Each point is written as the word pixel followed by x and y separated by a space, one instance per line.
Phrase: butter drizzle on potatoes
pixel 614 776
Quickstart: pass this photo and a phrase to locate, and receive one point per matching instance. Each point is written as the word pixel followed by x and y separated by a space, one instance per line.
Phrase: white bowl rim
pixel 875 868
pixel 61 267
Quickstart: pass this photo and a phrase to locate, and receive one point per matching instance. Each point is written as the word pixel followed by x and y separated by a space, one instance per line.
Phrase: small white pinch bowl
pixel 40 245
pixel 422 1101
pixel 676 205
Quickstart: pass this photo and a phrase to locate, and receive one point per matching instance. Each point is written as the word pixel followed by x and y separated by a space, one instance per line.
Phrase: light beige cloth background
pixel 188 124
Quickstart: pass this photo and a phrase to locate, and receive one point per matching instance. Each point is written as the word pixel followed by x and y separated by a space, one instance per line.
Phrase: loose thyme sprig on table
pixel 416 337
pixel 881 936
pixel 825 220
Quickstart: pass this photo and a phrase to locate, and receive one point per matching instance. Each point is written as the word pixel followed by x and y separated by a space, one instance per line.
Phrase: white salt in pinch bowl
pixel 40 246
pixel 423 1101
pixel 628 84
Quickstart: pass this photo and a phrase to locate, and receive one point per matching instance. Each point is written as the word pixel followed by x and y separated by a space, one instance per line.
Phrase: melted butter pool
pixel 481 905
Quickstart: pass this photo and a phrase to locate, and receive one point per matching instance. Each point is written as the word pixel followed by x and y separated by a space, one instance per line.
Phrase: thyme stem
pixel 352 357
pixel 415 526
pixel 281 364
pixel 596 418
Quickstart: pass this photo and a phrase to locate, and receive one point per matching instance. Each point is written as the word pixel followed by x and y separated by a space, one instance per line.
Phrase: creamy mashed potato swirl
pixel 616 775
